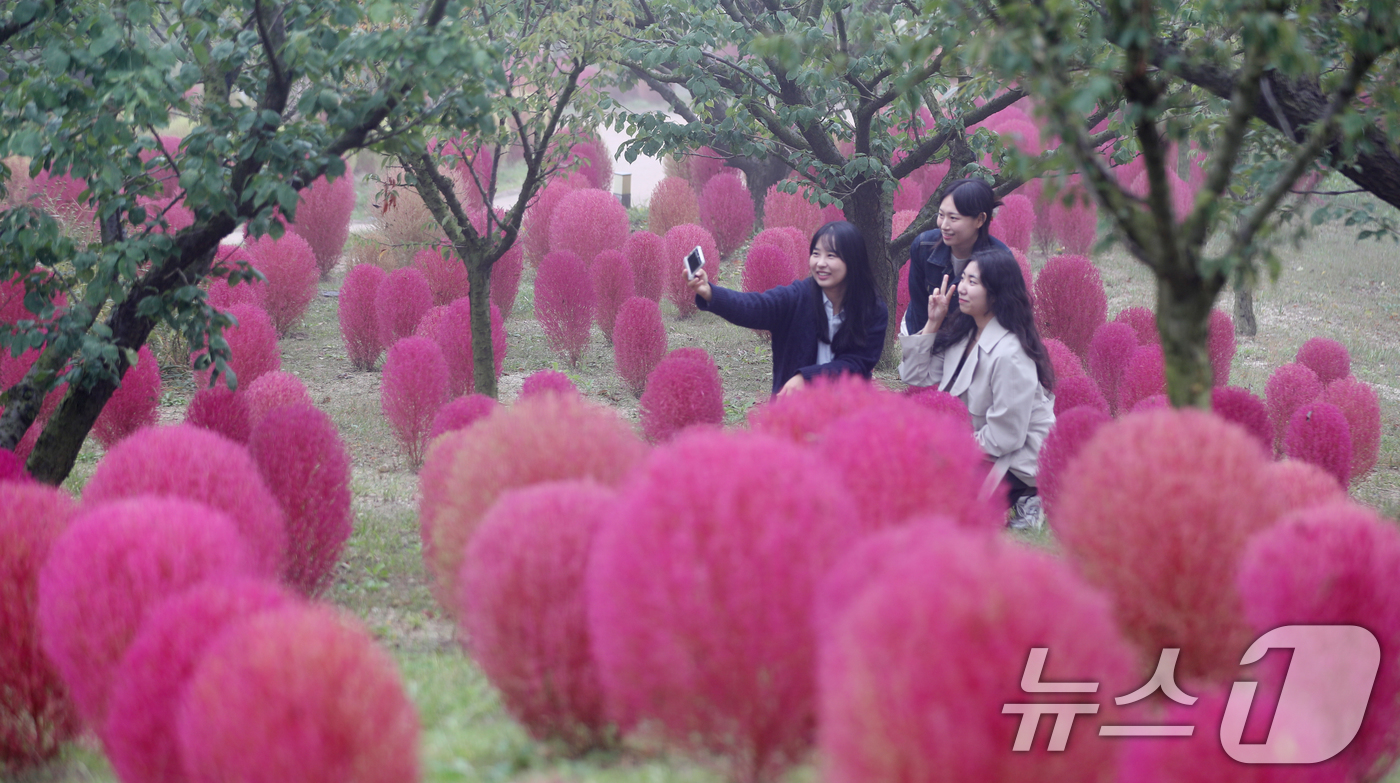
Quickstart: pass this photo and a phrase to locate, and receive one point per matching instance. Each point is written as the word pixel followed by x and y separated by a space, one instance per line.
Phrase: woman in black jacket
pixel 827 324
pixel 964 226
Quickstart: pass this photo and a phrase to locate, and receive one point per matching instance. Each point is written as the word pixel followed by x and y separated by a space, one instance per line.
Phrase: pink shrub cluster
pixel 414 386
pixel 791 209
pixel 1069 301
pixel 1240 406
pixel 1065 362
pixel 765 267
pixel 587 222
pixel 639 342
pixel 1015 222
pixel 726 211
pixel 901 295
pixel 672 203
pixel 523 609
pixel 446 274
pixel 1220 344
pixel 700 595
pixel 564 301
pixel 289 264
pixel 271 391
pixel 546 382
pixel 677 243
pixel 1073 428
pixel 791 241
pixel 1145 375
pixel 612 281
pixel 1110 349
pixel 595 164
pixel 220 410
pixel 1072 393
pixel 1290 387
pixel 359 315
pixel 1328 358
pixel 400 302
pixel 462 413
pixel 222 295
pixel 535 228
pixel 252 345
pixel 505 279
pixel 645 252
pixel 1143 321
pixel 450 328
pixel 1318 434
pixel 323 218
pixel 1075 227
pixel 682 391
pixel 133 405
pixel 802 417
pixel 330 705
pixel 1358 402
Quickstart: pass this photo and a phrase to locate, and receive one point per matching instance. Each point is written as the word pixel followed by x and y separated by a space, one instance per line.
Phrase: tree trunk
pixel 1245 324
pixel 869 210
pixel 483 350
pixel 1184 302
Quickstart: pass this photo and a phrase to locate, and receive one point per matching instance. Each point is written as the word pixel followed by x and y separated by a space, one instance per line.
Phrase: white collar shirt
pixel 833 322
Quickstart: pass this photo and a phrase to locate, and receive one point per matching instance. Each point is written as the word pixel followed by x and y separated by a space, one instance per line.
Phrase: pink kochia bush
pixel 536 225
pixel 681 392
pixel 400 302
pixel 1065 362
pixel 767 266
pixel 587 222
pixel 1358 402
pixel 644 251
pixel 359 315
pixel 289 264
pixel 678 242
pixel 220 410
pixel 1143 322
pixel 1109 352
pixel 307 468
pixel 505 279
pixel 139 735
pixel 802 417
pixel 523 611
pixel 414 386
pixel 1318 434
pixel 1240 406
pixel 1074 226
pixel 701 591
pixel 790 241
pixel 672 203
pixel 639 342
pixel 612 280
pixel 447 277
pixel 462 413
pixel 1015 222
pixel 545 438
pixel 1328 358
pixel 271 391
pixel 1291 386
pixel 323 218
pixel 791 209
pixel 310 691
pixel 547 381
pixel 1145 375
pixel 1220 344
pixel 726 211
pixel 36 714
pixel 1073 428
pixel 1069 301
pixel 886 714
pixel 213 470
pixel 114 563
pixel 450 327
pixel 222 295
pixel 252 344
pixel 133 405
pixel 931 398
pixel 1072 393
pixel 564 300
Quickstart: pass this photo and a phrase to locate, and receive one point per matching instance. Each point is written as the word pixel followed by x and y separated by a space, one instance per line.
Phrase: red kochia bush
pixel 564 298
pixel 523 611
pixel 639 342
pixel 139 736
pixel 1069 301
pixel 115 562
pixel 451 328
pixel 307 468
pixel 219 410
pixel 700 595
pixel 801 417
pixel 414 386
pixel 672 203
pixel 1151 403
pixel 765 267
pixel 1220 344
pixel 931 398
pixel 505 279
pixel 545 381
pixel 1073 428
pixel 462 413
pixel 678 242
pixel 681 392
pixel 310 691
pixel 222 295
pixel 289 264
pixel 545 438
pixel 133 405
pixel 36 715
pixel 1328 358
pixel 587 222
pixel 612 280
pixel 1143 321
pixel 595 164
pixel 645 253
pixel 323 218
pixel 12 468
pixel 1109 351
pixel 1075 226
pixel 1065 362
pixel 1358 402
pixel 1290 387
pixel 447 277
pixel 536 225
pixel 271 391
pixel 1015 222
pixel 983 602
pixel 1240 406
pixel 212 470
pixel 790 241
pixel 1145 375
pixel 791 209
pixel 1318 434
pixel 726 211
pixel 400 302
pixel 1072 393
pixel 252 344
pixel 359 315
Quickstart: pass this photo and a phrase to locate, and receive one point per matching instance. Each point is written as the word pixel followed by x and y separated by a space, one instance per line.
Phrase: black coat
pixel 929 261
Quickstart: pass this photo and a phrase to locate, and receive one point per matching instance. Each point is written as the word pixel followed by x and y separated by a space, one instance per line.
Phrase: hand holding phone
pixel 693 261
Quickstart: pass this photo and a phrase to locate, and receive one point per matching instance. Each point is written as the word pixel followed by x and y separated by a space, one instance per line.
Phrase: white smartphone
pixel 693 262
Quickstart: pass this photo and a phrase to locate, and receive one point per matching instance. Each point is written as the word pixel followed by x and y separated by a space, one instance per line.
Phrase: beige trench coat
pixel 1011 412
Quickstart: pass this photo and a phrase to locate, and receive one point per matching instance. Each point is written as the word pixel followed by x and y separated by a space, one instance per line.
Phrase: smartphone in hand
pixel 693 261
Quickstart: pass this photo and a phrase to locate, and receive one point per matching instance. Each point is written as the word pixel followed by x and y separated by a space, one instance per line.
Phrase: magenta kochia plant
pixel 1072 393
pixel 802 417
pixel 1240 406
pixel 359 317
pixel 219 410
pixel 1328 358
pixel 535 228
pixel 1065 362
pixel 726 211
pixel 271 391
pixel 1110 349
pixel 1015 222
pixel 672 203
pixel 1144 376
pixel 681 392
pixel 414 386
pixel 678 242
pixel 1318 434
pixel 446 274
pixel 222 295
pixel 613 284
pixel 547 382
pixel 564 300
pixel 323 218
pixel 462 413
pixel 400 302
pixel 289 264
pixel 133 405
pixel 1358 402
pixel 1291 386
pixel 1069 301
pixel 450 327
pixel 1220 344
pixel 1073 428
pixel 505 279
pixel 587 222
pixel 644 251
pixel 639 342
pixel 791 209
pixel 252 346
pixel 765 267
pixel 1143 321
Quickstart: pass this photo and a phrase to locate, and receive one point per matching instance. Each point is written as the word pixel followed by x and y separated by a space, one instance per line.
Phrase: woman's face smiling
pixel 959 230
pixel 972 296
pixel 827 267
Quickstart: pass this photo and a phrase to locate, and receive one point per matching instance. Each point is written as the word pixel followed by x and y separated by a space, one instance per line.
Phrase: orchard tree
pixel 276 94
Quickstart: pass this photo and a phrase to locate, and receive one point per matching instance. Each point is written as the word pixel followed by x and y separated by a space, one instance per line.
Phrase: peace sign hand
pixel 938 303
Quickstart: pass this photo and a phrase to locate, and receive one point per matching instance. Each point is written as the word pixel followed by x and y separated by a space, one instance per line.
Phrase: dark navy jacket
pixel 789 313
pixel 929 261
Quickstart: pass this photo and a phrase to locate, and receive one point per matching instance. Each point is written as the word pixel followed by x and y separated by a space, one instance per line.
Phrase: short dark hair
pixel 974 197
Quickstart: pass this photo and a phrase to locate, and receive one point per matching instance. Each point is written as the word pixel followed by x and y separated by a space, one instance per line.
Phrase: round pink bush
pixel 271 391
pixel 790 241
pixel 1240 406
pixel 677 243
pixel 1069 301
pixel 871 556
pixel 323 218
pixel 523 610
pixel 547 381
pixel 672 203
pixel 307 468
pixel 505 279
pixel 359 315
pixel 595 165
pixel 1143 321
pixel 1065 362
pixel 767 266
pixel 887 714
pixel 139 736
pixel 36 714
pixel 639 342
pixel 462 413
pixel 801 417
pixel 681 392
pixel 112 565
pixel 133 405
pixel 252 344
pixel 1072 393
pixel 447 277
pixel 1075 226
pixel 1318 434
pixel 791 209
pixel 1220 344
pixel 414 386
pixel 726 211
pixel 612 282
pixel 289 264
pixel 222 295
pixel 1109 351
pixel 400 302
pixel 933 399
pixel 219 410
pixel 1155 509
pixel 1358 402
pixel 450 327
pixel 587 222
pixel 1073 428
pixel 564 300
pixel 1145 375
pixel 1015 221
pixel 310 691
pixel 535 228
pixel 548 437
pixel 700 595
pixel 645 252
pixel 1290 387
pixel 1328 358
pixel 213 470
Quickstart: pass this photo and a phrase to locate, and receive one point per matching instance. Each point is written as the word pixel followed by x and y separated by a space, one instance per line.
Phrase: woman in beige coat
pixel 988 354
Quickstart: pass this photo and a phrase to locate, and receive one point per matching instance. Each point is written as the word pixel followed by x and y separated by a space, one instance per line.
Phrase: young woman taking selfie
pixel 980 344
pixel 827 324
pixel 964 226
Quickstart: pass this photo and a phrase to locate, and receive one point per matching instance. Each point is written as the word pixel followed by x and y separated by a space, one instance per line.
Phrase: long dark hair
pixel 1010 303
pixel 858 303
pixel 974 197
